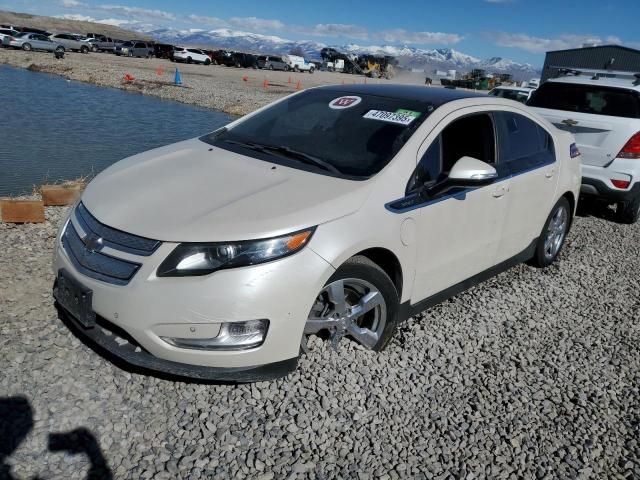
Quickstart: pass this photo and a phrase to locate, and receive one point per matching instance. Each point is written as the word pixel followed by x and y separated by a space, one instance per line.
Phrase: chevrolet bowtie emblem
pixel 93 242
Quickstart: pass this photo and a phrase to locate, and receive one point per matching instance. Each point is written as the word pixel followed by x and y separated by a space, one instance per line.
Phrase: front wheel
pixel 628 212
pixel 207 62
pixel 130 54
pixel 359 301
pixel 84 50
pixel 26 47
pixel 553 234
pixel 311 70
pixel 189 60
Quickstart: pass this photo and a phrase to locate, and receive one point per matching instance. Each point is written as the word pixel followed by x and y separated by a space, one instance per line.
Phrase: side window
pixel 429 167
pixel 523 144
pixel 139 45
pixel 470 136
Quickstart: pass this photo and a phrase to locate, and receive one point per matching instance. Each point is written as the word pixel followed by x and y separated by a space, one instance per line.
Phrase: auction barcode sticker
pixel 393 117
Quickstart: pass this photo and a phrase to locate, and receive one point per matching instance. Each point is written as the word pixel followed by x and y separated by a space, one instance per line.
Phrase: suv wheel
pixel 188 59
pixel 359 301
pixel 270 67
pixel 553 235
pixel 311 70
pixel 207 62
pixel 84 49
pixel 130 53
pixel 628 212
pixel 26 47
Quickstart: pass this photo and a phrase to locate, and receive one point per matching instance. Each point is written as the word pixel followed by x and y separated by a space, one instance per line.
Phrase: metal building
pixel 606 57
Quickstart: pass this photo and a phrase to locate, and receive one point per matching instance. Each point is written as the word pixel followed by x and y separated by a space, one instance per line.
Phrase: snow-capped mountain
pixel 408 57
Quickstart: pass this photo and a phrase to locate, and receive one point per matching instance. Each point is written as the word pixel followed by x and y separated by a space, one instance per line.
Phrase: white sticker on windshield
pixel 341 103
pixel 393 117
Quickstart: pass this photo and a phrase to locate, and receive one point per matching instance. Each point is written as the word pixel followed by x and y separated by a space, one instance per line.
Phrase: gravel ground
pixel 534 374
pixel 218 87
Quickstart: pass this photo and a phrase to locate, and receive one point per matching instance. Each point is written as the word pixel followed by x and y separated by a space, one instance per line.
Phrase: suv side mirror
pixel 466 172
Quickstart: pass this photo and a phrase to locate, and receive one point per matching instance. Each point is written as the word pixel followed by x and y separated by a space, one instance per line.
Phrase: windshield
pixel 352 136
pixel 595 99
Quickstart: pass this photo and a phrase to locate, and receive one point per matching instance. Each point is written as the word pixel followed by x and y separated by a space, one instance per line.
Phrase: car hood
pixel 192 192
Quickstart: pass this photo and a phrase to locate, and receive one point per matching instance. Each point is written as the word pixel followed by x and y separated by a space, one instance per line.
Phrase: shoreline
pixel 234 91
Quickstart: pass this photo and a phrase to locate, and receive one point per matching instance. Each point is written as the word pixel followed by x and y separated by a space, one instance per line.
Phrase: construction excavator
pixel 373 66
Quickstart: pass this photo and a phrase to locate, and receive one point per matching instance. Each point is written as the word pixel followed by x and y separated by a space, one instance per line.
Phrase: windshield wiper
pixel 289 153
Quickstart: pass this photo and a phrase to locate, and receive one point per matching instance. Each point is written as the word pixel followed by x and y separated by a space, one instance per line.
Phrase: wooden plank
pixel 22 211
pixel 59 195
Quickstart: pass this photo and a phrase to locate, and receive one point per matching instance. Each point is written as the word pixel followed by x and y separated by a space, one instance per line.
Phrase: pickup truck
pixel 299 64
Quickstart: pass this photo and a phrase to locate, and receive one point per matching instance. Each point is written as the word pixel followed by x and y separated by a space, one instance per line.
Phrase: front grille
pixel 116 239
pixel 95 264
pixel 84 247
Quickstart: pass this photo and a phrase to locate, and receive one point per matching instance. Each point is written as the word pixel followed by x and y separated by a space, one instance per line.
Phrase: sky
pixel 520 30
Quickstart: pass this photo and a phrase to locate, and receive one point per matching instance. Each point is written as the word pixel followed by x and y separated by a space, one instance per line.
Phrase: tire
pixel 207 62
pixel 59 49
pixel 84 49
pixel 189 60
pixel 296 69
pixel 628 212
pixel 357 279
pixel 26 47
pixel 94 49
pixel 553 235
pixel 311 70
pixel 130 54
pixel 270 67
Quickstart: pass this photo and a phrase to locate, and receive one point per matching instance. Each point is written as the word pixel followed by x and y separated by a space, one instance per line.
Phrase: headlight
pixel 192 259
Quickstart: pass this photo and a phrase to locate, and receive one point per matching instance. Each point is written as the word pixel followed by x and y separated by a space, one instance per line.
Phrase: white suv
pixel 339 210
pixel 601 108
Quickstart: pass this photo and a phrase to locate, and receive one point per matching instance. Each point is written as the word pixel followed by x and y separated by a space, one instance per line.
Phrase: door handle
pixel 550 173
pixel 499 192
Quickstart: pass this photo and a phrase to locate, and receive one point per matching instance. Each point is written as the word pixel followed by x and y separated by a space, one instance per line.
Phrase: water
pixel 53 129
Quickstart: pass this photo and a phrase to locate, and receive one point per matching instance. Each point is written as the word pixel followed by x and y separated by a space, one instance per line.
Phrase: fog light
pixel 232 336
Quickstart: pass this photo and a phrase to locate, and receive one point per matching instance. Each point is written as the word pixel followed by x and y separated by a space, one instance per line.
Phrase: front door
pixel 458 232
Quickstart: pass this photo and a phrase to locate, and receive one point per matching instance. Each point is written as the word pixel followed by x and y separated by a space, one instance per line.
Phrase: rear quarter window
pixel 593 99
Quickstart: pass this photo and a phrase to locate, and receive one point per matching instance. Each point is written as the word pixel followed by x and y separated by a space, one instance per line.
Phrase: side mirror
pixel 469 171
pixel 466 172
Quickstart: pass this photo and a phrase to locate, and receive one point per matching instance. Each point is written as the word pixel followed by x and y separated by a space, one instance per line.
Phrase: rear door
pixel 601 118
pixel 527 151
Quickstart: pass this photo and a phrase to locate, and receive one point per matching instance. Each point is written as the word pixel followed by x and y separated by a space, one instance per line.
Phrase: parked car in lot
pixel 601 108
pixel 299 64
pixel 223 57
pixel 163 50
pixel 106 44
pixel 519 94
pixel 71 43
pixel 190 55
pixel 271 62
pixel 339 210
pixel 5 36
pixel 134 49
pixel 35 41
pixel 244 60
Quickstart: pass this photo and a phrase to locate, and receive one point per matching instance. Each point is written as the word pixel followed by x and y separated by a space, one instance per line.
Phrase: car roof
pixel 433 95
pixel 615 82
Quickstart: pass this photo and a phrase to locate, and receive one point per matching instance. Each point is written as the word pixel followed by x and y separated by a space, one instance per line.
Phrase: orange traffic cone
pixel 159 71
pixel 128 78
pixel 245 79
pixel 265 84
pixel 298 85
pixel 289 79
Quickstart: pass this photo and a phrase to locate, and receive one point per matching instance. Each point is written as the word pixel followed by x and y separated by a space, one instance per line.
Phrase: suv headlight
pixel 193 259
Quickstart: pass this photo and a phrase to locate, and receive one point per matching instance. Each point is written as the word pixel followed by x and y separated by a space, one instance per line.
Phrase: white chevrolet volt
pixel 338 211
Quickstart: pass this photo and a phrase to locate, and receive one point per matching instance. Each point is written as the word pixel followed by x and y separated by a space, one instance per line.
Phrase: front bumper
pixel 149 307
pixel 107 340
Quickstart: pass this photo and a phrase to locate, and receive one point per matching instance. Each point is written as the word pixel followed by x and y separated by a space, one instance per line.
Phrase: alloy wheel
pixel 352 307
pixel 556 231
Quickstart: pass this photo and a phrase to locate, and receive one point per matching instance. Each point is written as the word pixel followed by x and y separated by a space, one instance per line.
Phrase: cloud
pixel 76 16
pixel 72 3
pixel 337 30
pixel 255 23
pixel 137 13
pixel 399 35
pixel 541 45
pixel 204 20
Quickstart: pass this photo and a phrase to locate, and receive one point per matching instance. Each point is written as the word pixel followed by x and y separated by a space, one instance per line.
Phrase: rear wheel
pixel 270 67
pixel 130 54
pixel 311 70
pixel 359 301
pixel 553 234
pixel 26 47
pixel 207 62
pixel 84 49
pixel 60 49
pixel 189 60
pixel 628 212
